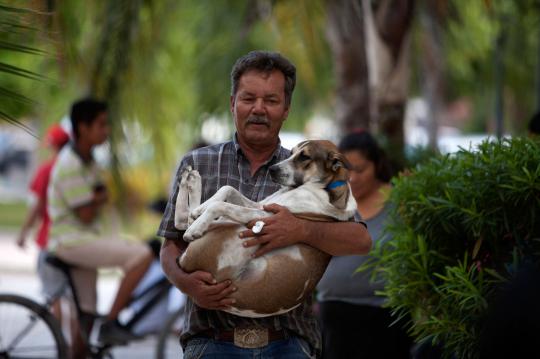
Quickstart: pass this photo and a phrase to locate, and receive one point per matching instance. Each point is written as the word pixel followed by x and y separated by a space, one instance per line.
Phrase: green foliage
pixel 169 61
pixel 469 42
pixel 18 57
pixel 461 225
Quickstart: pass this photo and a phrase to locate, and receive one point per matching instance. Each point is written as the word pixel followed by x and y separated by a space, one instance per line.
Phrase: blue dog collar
pixel 336 184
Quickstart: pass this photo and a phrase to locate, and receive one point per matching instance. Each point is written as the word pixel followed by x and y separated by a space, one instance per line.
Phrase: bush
pixel 462 224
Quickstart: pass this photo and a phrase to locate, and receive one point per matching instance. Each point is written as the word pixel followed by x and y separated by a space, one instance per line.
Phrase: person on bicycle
pixel 77 195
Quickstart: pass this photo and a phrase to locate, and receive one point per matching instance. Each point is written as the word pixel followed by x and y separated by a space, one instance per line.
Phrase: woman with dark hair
pixel 354 324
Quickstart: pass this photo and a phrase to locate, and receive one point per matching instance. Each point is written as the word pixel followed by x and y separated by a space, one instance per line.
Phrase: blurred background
pixel 424 76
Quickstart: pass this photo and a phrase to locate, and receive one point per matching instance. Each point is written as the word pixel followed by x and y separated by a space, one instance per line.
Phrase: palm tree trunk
pixel 389 71
pixel 345 32
pixel 112 63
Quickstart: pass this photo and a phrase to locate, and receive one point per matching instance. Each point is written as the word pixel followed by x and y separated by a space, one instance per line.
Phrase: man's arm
pixel 200 286
pixel 283 229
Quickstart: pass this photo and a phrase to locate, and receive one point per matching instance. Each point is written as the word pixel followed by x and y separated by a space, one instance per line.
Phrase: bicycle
pixel 29 330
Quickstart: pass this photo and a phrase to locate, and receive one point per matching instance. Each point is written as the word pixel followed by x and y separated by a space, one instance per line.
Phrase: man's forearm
pixel 343 238
pixel 170 250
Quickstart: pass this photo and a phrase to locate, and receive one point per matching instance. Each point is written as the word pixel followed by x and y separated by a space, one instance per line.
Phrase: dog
pixel 313 186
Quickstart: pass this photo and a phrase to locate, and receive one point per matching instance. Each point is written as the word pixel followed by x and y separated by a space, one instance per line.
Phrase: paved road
pixel 17 276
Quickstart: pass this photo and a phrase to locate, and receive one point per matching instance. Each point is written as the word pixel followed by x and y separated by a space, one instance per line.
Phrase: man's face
pixel 97 132
pixel 259 107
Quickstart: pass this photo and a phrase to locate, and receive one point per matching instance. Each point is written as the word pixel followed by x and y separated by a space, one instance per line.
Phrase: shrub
pixel 462 224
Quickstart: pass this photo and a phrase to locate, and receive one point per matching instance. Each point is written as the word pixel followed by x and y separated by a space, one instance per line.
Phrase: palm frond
pixel 14 70
pixel 4 92
pixel 15 30
pixel 5 45
pixel 6 117
pixel 20 10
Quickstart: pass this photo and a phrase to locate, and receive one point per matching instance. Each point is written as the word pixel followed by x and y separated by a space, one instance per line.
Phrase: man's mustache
pixel 258 120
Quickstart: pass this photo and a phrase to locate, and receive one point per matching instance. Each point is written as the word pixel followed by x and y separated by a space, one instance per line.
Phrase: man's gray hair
pixel 265 61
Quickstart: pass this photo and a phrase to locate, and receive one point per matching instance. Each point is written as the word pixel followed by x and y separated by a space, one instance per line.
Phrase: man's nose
pixel 258 106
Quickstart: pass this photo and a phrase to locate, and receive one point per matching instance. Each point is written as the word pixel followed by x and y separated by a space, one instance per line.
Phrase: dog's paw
pixel 185 173
pixel 197 212
pixel 192 234
pixel 193 179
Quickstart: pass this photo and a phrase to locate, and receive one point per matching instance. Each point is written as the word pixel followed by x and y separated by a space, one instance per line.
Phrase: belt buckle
pixel 250 338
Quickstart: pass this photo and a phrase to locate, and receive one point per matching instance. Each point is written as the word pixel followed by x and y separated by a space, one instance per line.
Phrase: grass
pixel 12 214
pixel 140 224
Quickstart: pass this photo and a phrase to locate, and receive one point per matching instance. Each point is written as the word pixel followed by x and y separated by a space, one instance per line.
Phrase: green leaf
pixel 20 72
pixel 4 45
pixel 4 116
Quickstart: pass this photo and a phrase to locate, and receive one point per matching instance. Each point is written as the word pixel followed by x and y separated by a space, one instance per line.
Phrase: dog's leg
pixel 188 198
pixel 224 194
pixel 194 185
pixel 215 210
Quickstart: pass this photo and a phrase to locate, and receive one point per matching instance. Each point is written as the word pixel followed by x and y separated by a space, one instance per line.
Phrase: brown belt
pixel 246 337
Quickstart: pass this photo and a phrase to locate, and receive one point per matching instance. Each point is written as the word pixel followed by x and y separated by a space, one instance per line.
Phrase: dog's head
pixel 315 161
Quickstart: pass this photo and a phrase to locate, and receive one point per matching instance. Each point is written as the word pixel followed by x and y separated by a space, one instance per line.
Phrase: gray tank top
pixel 341 283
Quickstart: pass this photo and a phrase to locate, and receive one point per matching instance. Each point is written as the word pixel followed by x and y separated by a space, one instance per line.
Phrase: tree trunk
pixel 388 27
pixel 432 70
pixel 112 63
pixel 345 32
pixel 370 50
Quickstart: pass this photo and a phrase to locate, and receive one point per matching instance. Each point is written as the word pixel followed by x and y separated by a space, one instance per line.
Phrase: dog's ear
pixel 337 160
pixel 298 146
pixel 339 165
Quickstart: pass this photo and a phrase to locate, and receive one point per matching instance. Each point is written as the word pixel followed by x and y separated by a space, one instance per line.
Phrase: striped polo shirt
pixel 220 165
pixel 71 185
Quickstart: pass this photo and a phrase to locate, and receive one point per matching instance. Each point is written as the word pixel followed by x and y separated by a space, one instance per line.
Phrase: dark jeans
pixel 361 331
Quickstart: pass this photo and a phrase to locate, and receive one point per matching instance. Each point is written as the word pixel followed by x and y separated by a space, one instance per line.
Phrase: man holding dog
pixel 262 86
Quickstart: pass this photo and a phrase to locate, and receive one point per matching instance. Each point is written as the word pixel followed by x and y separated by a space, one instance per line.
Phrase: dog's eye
pixel 303 157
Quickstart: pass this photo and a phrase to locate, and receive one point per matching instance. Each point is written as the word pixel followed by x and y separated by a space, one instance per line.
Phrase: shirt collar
pixel 277 155
pixel 74 149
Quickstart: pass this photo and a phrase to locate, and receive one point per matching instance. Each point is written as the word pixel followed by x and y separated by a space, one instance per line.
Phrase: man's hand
pixel 280 230
pixel 206 292
pixel 101 195
pixel 200 286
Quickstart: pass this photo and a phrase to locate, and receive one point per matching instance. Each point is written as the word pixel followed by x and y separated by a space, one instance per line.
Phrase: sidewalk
pixel 13 258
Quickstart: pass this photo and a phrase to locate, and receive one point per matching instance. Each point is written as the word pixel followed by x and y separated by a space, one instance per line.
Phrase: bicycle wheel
pixel 28 330
pixel 168 344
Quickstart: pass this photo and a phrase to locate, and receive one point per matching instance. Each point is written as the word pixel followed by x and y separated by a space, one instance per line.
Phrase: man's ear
pixel 287 108
pixel 231 103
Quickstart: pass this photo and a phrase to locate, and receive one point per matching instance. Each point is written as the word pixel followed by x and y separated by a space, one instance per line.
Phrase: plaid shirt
pixel 220 165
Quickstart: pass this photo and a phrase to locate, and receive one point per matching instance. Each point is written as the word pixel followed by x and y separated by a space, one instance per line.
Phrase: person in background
pixel 261 94
pixel 354 324
pixel 76 197
pixel 51 278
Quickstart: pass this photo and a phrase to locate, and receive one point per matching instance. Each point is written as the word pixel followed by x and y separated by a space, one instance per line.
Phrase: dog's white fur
pixel 281 279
